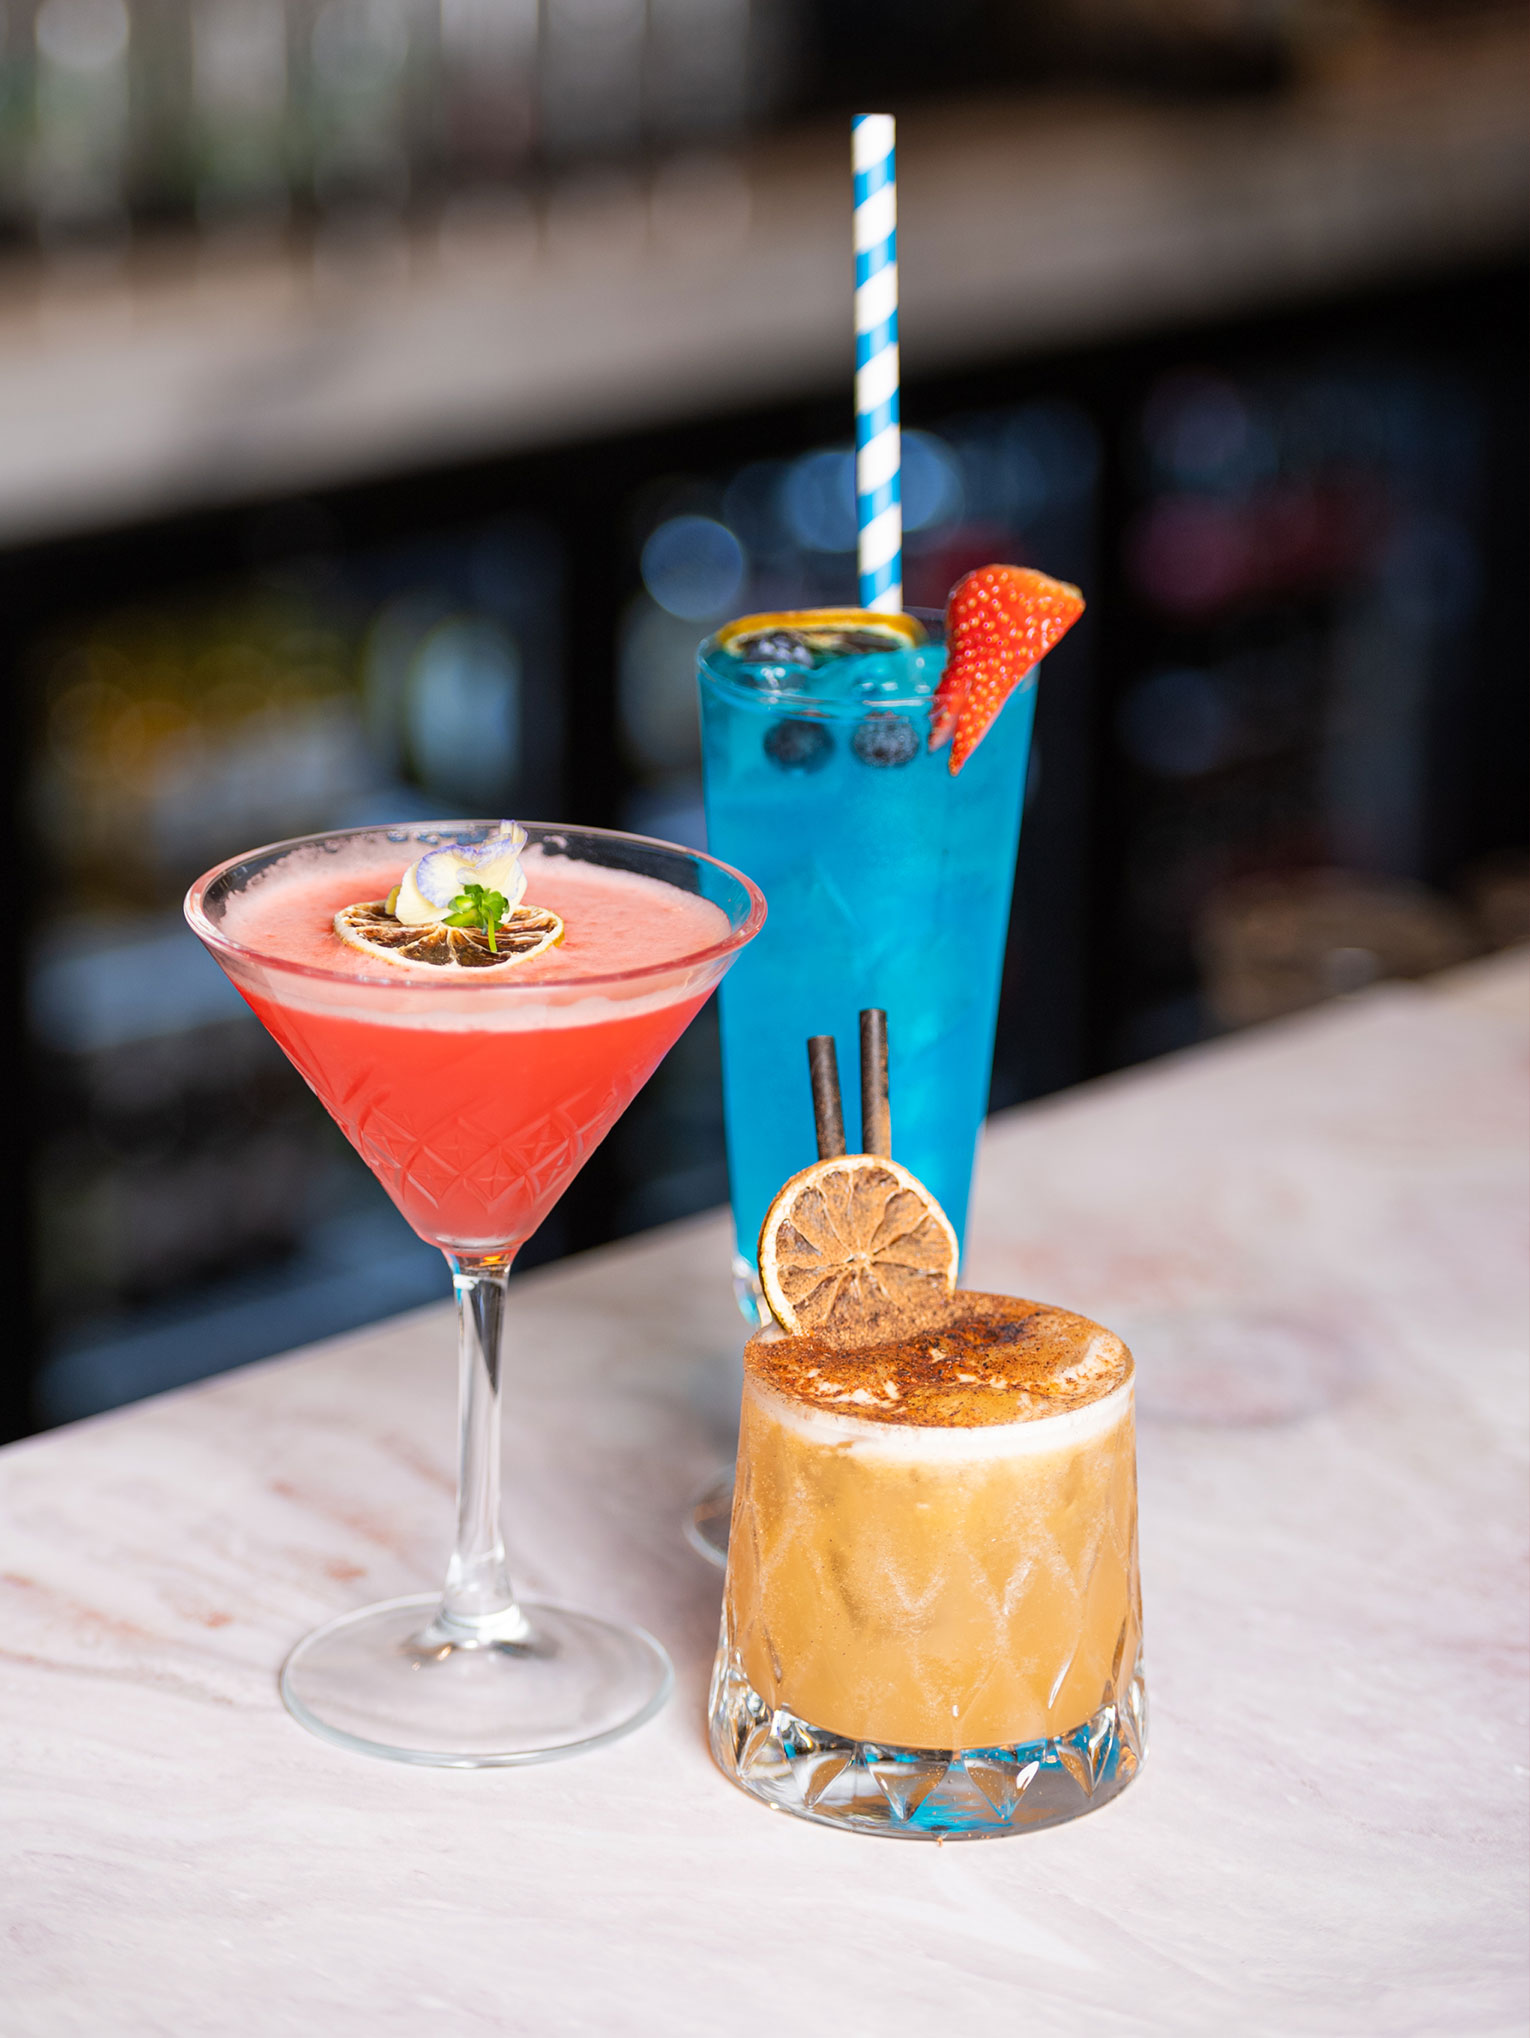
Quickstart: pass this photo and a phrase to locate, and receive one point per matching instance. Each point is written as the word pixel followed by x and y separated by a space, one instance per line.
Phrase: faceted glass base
pixel 388 1681
pixel 922 1793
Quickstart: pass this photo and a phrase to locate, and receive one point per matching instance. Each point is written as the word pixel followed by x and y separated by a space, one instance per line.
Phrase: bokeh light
pixel 818 501
pixel 693 567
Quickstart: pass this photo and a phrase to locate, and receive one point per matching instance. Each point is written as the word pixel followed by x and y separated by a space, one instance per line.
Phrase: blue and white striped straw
pixel 878 497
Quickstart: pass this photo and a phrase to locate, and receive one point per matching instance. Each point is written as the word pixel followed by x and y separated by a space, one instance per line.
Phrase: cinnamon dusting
pixel 969 1361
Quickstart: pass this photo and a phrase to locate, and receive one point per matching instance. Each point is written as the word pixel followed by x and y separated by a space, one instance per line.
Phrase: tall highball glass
pixel 889 883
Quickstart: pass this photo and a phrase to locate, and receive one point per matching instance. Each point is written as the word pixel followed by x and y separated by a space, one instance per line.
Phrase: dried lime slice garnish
pixel 524 932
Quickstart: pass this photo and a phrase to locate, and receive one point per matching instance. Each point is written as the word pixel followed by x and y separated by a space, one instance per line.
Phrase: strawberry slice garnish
pixel 1000 621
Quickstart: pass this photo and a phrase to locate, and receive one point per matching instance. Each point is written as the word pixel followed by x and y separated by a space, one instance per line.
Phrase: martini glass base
pixel 384 1681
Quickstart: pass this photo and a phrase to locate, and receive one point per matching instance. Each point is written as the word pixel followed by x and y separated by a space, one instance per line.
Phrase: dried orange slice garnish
pixel 852 1243
pixel 827 625
pixel 523 933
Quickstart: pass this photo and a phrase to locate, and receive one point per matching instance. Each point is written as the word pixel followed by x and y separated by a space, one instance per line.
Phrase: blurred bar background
pixel 393 391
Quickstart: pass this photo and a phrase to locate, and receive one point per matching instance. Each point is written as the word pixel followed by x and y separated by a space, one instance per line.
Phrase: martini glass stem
pixel 479 1603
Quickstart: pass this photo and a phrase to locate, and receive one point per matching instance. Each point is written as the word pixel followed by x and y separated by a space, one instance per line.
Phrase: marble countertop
pixel 1313 1236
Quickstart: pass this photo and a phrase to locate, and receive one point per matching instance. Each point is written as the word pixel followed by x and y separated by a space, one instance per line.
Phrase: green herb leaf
pixel 474 907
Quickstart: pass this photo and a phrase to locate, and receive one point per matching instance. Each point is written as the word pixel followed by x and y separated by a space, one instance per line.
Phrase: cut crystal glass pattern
pixel 923 1793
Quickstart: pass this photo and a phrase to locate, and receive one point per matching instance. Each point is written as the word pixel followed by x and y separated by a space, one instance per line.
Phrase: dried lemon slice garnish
pixel 524 932
pixel 853 1242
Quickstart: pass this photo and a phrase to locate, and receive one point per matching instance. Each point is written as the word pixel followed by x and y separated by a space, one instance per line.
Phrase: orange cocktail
pixel 932 1620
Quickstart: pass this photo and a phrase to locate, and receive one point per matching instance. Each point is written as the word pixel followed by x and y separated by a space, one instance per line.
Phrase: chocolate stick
pixel 876 1116
pixel 828 1112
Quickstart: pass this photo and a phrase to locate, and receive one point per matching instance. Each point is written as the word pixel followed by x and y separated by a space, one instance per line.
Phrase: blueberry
pixel 885 740
pixel 798 745
pixel 772 647
pixel 865 643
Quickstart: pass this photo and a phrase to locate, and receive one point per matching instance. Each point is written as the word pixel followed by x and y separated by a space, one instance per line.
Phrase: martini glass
pixel 475 1103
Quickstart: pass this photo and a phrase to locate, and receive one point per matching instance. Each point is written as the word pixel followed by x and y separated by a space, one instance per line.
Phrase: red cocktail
pixel 474 1083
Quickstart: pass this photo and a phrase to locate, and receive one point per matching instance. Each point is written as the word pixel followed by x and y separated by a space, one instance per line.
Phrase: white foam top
pixel 347 986
pixel 1030 1436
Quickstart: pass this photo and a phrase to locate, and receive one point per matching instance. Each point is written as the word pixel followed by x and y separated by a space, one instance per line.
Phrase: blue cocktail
pixel 888 882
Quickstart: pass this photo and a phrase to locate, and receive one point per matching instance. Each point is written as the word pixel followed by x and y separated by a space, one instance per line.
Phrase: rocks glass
pixel 932 1620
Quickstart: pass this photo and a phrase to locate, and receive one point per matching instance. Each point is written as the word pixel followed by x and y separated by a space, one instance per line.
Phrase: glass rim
pixel 221 943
